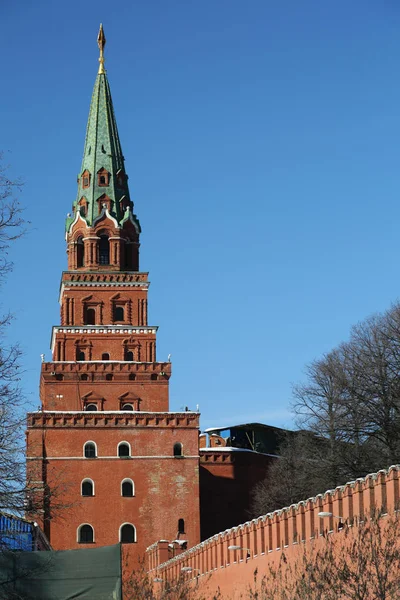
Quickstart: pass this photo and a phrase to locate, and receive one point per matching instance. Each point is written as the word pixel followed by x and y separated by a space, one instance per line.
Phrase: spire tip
pixel 101 42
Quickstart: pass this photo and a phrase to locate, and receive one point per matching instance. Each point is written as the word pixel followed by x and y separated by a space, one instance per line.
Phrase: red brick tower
pixel 108 459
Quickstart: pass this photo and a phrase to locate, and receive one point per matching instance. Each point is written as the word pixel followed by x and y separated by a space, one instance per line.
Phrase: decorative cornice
pixel 101 329
pixel 112 419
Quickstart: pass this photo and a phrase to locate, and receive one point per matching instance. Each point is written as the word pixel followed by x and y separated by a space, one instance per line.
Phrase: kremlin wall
pixel 213 566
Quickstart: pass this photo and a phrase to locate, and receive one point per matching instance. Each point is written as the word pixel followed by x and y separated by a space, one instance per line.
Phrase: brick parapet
pixel 50 369
pixel 287 527
pixel 77 419
pixel 99 277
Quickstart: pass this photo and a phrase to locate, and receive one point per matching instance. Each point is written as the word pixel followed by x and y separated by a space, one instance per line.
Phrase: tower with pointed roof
pixel 109 462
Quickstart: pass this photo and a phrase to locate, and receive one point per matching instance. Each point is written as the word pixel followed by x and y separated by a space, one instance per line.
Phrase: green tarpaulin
pixel 93 574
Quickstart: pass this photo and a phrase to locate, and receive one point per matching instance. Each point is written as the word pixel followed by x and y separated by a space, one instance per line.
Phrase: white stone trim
pixel 74 222
pixel 107 214
pixel 134 529
pixel 87 479
pixel 125 443
pixel 95 447
pixel 78 532
pixel 128 480
pixel 98 458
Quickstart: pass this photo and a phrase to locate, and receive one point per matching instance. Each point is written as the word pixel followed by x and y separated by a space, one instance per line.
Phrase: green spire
pixel 102 181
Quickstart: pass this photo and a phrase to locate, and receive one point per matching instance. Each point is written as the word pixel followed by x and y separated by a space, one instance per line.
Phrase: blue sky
pixel 262 141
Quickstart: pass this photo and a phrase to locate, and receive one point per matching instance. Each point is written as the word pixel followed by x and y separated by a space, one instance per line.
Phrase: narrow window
pixel 105 356
pixel 119 313
pixel 80 355
pixel 80 253
pixel 91 407
pixel 90 316
pixel 90 450
pixel 124 450
pixel 87 487
pixel 178 449
pixel 127 534
pixel 129 356
pixel 127 407
pixel 86 534
pixel 127 489
pixel 86 181
pixel 104 250
pixel 181 526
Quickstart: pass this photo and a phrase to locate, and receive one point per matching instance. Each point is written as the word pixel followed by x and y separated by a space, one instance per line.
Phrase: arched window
pixel 127 534
pixel 91 407
pixel 119 313
pixel 105 356
pixel 104 250
pixel 181 526
pixel 90 316
pixel 80 253
pixel 80 355
pixel 178 450
pixel 124 450
pixel 127 407
pixel 129 355
pixel 85 534
pixel 90 450
pixel 87 487
pixel 127 488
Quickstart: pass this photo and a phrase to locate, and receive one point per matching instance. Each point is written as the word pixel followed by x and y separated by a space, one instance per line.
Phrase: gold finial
pixel 101 42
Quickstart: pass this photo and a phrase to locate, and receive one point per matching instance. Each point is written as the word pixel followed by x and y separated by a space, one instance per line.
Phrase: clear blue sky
pixel 262 141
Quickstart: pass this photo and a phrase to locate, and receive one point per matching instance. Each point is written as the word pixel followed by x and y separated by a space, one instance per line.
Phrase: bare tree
pixel 350 406
pixel 142 585
pixel 12 477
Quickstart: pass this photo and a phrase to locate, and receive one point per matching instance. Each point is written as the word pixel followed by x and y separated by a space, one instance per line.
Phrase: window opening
pixel 127 407
pixel 127 489
pixel 109 376
pixel 104 250
pixel 91 407
pixel 154 376
pixel 84 377
pixel 80 253
pixel 119 313
pixel 90 450
pixel 124 450
pixel 178 449
pixel 87 487
pixel 132 376
pixel 181 526
pixel 105 356
pixel 129 356
pixel 127 534
pixel 86 535
pixel 90 316
pixel 80 355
